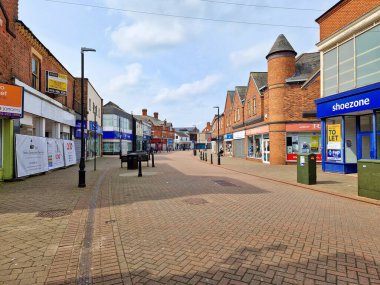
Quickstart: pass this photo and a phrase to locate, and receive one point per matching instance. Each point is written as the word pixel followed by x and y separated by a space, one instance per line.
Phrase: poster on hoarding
pixel 334 137
pixel 55 153
pixel 69 152
pixel 31 155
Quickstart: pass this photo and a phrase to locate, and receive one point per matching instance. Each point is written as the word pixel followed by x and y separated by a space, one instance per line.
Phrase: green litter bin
pixel 307 169
pixel 369 178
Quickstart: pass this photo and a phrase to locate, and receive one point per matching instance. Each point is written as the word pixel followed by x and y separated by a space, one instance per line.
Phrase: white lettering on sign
pixel 352 104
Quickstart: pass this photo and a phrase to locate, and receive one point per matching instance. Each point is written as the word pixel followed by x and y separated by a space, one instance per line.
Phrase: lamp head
pixel 84 49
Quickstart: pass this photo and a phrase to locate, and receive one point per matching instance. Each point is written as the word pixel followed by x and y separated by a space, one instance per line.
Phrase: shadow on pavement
pixel 276 263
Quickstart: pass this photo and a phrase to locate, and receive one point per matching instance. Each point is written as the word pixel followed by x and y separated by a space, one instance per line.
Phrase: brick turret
pixel 281 65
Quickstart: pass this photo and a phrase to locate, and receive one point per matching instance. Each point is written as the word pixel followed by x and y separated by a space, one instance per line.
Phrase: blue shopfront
pixel 350 128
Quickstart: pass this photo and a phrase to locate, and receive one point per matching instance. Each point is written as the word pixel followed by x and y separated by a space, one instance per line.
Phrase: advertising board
pixel 56 83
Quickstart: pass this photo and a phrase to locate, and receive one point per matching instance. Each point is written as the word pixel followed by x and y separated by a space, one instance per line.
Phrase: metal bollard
pixel 195 152
pixel 206 157
pixel 153 159
pixel 211 159
pixel 140 171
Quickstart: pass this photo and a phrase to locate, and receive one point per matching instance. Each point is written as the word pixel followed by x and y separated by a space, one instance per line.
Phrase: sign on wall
pixel 56 83
pixel 11 101
pixel 55 153
pixel 31 155
pixel 69 152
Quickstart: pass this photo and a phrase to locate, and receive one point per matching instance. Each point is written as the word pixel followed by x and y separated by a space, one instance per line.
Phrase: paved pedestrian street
pixel 184 222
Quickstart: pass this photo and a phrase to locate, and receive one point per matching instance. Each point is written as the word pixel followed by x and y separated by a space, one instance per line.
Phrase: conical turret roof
pixel 281 45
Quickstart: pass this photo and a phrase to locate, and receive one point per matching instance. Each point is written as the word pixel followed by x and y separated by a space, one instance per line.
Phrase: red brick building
pixel 163 132
pixel 48 87
pixel 273 119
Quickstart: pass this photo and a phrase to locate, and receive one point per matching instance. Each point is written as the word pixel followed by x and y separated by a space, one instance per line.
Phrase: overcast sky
pixel 179 67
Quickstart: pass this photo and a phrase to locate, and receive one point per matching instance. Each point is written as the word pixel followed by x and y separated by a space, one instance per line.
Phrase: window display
pixel 301 143
pixel 334 139
pixel 378 133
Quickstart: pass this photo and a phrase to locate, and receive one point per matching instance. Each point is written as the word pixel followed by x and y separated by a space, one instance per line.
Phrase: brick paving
pixel 183 222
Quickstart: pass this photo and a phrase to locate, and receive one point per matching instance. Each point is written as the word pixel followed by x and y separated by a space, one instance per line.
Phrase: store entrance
pixel 266 151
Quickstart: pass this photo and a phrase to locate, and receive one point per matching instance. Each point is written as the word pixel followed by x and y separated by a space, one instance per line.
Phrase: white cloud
pixel 187 90
pixel 129 78
pixel 246 57
pixel 142 37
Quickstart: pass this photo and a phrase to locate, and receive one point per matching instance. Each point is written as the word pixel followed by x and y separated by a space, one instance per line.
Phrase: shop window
pixel 350 139
pixel 334 145
pixel 366 123
pixel 36 73
pixel 301 143
pixel 346 66
pixel 330 70
pixel 368 57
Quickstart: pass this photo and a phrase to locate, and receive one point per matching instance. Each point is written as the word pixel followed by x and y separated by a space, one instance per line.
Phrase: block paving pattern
pixel 247 230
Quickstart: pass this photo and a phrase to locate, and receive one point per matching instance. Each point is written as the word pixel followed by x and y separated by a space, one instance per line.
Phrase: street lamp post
pixel 82 166
pixel 95 110
pixel 217 107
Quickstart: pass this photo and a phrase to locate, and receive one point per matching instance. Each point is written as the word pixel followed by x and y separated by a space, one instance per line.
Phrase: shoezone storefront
pixel 350 128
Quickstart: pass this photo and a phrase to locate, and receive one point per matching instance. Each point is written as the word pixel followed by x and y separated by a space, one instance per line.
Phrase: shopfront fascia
pixel 350 128
pixel 44 116
pixel 255 142
pixel 303 138
pixel 11 107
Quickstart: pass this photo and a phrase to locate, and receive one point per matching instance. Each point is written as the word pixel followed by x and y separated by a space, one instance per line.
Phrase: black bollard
pixel 140 171
pixel 206 157
pixel 152 159
pixel 195 152
pixel 211 159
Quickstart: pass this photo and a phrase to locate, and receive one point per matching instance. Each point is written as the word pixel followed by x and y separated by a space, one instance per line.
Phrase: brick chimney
pixel 144 112
pixel 155 115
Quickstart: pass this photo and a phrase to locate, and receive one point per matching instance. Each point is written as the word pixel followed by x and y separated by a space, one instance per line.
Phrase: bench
pixel 142 156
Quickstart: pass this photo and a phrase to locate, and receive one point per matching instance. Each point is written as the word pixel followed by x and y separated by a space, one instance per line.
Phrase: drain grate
pixel 224 183
pixel 53 213
pixel 195 201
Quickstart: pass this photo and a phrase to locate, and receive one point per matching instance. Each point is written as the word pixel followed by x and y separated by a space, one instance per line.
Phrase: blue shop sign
pixel 116 135
pixel 78 124
pixel 228 136
pixel 78 132
pixel 146 138
pixel 334 154
pixel 361 99
pixel 98 128
pixel 170 141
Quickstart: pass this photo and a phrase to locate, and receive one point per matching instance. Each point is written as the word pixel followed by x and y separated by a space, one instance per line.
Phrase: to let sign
pixel 11 101
pixel 334 138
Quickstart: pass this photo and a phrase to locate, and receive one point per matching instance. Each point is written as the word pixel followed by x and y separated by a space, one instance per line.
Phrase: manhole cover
pixel 224 183
pixel 53 213
pixel 195 201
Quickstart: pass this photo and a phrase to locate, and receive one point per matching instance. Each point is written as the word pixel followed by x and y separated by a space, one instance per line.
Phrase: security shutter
pixel 239 148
